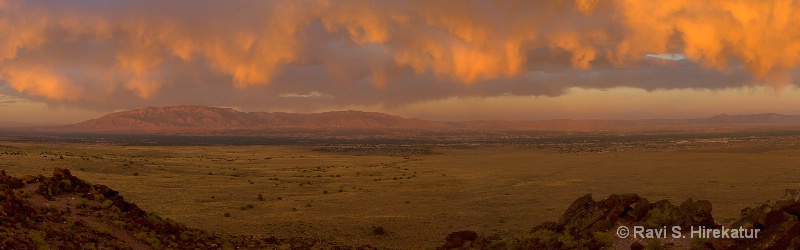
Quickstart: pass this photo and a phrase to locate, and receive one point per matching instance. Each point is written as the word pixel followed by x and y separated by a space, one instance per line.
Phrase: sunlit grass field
pixel 417 199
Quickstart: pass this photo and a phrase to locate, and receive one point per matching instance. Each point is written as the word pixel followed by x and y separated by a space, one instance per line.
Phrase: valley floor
pixel 290 191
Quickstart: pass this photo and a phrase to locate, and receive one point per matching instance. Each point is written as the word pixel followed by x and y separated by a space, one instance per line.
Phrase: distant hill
pixel 10 124
pixel 723 120
pixel 190 119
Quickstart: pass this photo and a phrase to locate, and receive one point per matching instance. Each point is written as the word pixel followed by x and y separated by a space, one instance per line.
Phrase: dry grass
pixel 490 191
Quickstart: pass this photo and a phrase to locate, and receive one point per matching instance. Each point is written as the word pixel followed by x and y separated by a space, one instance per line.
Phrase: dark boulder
pixel 585 215
pixel 10 182
pixel 456 240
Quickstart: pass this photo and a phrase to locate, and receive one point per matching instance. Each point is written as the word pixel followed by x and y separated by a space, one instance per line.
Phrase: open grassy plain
pixel 418 198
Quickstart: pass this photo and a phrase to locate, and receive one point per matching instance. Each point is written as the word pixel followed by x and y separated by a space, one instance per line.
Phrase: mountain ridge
pixel 188 117
pixel 212 117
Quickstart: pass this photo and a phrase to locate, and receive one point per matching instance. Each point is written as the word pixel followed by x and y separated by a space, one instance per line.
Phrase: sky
pixel 72 60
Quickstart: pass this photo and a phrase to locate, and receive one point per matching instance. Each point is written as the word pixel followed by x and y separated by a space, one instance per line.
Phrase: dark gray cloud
pixel 306 55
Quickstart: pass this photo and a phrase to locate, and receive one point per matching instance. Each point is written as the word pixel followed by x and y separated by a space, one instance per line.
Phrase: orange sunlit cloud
pixel 124 54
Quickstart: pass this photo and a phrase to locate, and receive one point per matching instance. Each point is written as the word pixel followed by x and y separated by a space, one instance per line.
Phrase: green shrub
pixel 107 204
pixel 657 217
pixel 38 239
pixel 82 202
pixel 118 223
pixel 567 241
pixel 603 239
pixel 654 244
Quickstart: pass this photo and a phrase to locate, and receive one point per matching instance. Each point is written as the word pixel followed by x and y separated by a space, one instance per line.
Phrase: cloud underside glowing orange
pixel 68 51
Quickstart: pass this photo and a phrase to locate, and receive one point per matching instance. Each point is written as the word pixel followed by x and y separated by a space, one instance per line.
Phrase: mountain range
pixel 201 118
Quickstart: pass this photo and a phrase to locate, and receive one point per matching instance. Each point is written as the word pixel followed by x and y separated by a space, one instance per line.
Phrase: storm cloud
pixel 305 55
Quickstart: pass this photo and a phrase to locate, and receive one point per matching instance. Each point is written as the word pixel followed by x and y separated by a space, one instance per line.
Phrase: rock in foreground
pixel 590 224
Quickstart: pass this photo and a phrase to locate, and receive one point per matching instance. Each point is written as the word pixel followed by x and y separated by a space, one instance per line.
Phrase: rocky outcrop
pixel 779 223
pixel 586 216
pixel 457 240
pixel 590 224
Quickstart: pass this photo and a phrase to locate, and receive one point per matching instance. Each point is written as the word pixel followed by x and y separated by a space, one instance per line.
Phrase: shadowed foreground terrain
pixel 589 224
pixel 65 212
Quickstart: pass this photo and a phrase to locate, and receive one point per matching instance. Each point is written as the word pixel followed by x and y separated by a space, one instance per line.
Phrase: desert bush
pixel 379 230
pixel 260 197
pixel 227 214
pixel 107 204
pixel 118 223
pixel 603 239
pixel 38 239
pixel 82 202
pixel 654 244
pixel 540 239
pixel 657 217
